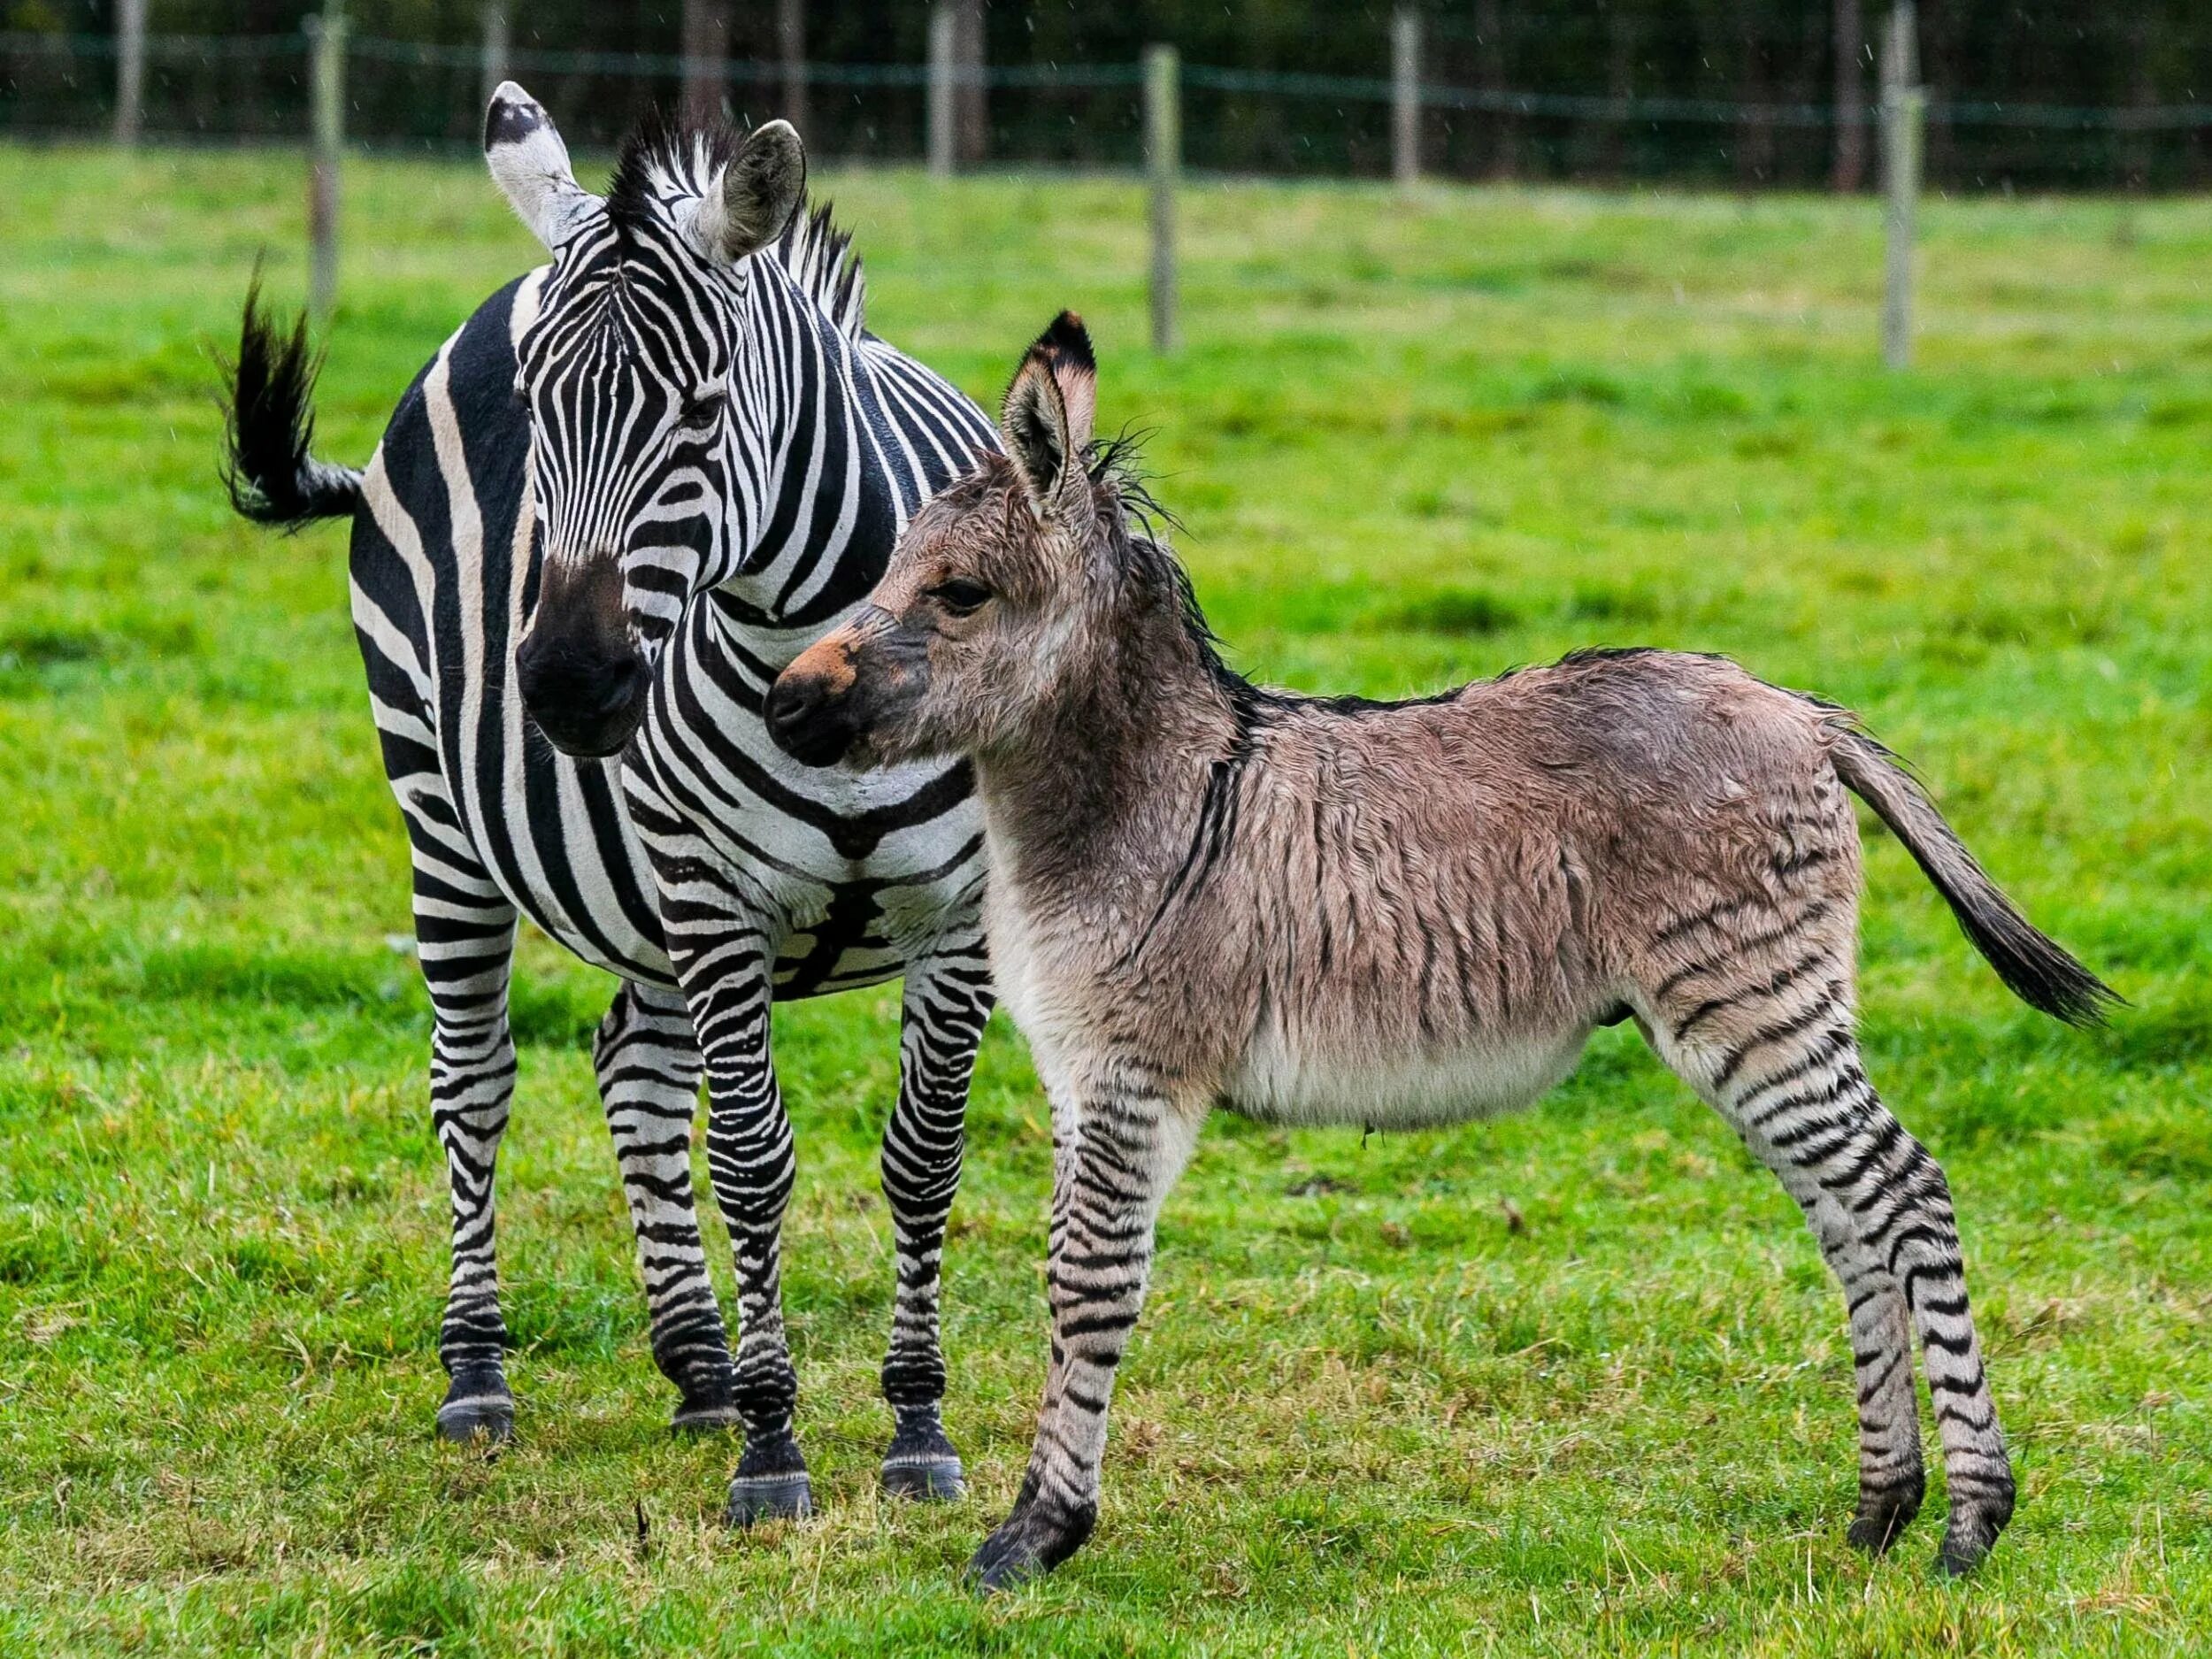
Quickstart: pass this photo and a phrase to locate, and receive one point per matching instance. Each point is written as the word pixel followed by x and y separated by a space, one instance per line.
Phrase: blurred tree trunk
pixel 971 111
pixel 1620 86
pixel 1850 156
pixel 1754 90
pixel 1491 77
pixel 706 59
pixel 791 49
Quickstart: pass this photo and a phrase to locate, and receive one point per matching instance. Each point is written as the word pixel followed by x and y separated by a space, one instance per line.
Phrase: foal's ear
pixel 525 152
pixel 1051 408
pixel 762 187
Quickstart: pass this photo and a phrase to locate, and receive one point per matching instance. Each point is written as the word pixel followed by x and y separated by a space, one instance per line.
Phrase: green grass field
pixel 1572 1383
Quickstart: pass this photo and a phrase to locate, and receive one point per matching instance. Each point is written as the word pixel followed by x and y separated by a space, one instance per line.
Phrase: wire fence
pixel 403 94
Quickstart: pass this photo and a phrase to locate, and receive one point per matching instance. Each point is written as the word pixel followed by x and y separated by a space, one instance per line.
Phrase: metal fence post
pixel 130 70
pixel 1904 105
pixel 326 34
pixel 494 49
pixel 942 25
pixel 1163 162
pixel 1405 96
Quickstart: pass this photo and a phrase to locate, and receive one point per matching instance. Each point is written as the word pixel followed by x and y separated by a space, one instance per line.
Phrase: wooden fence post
pixel 1405 96
pixel 1904 107
pixel 130 70
pixel 1163 162
pixel 494 49
pixel 326 34
pixel 706 59
pixel 942 26
pixel 791 48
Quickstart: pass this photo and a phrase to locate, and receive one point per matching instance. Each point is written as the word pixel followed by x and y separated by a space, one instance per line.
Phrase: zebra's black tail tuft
pixel 269 423
pixel 2039 970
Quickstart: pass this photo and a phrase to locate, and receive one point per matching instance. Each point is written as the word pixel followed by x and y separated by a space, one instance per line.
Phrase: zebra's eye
pixel 960 597
pixel 702 408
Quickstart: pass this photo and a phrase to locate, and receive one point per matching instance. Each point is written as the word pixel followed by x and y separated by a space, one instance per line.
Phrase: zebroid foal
pixel 1204 894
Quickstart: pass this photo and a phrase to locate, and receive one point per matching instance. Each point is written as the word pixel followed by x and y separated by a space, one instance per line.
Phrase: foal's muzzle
pixel 811 718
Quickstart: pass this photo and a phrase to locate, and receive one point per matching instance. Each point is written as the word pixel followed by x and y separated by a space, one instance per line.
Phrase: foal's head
pixel 628 372
pixel 1013 586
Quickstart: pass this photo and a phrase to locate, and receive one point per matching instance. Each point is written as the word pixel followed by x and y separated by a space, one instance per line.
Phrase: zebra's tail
pixel 2037 969
pixel 269 423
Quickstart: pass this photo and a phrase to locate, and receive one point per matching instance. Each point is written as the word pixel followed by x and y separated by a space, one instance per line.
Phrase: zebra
pixel 1311 910
pixel 629 489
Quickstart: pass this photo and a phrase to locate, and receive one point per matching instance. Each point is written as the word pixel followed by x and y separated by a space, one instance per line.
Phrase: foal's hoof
pixel 921 1463
pixel 757 1498
pixel 1959 1557
pixel 1884 1515
pixel 477 1406
pixel 1028 1545
pixel 1978 1515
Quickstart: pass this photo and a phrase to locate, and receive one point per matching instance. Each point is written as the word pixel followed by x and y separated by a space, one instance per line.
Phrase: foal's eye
pixel 960 596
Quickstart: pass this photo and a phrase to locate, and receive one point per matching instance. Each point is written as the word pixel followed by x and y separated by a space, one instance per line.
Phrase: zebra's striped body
pixel 706 868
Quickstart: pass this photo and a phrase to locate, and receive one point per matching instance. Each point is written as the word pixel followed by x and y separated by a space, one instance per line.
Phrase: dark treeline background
pixel 2066 93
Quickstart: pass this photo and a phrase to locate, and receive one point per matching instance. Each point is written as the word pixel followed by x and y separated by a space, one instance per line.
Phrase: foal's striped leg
pixel 649 1070
pixel 946 1002
pixel 1775 1050
pixel 465 931
pixel 1114 1158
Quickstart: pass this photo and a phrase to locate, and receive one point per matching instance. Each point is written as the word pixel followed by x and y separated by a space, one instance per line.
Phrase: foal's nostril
pixel 794 715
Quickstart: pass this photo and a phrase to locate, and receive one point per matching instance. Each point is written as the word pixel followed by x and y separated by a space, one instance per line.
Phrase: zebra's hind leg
pixel 1784 1066
pixel 648 1069
pixel 946 1000
pixel 466 933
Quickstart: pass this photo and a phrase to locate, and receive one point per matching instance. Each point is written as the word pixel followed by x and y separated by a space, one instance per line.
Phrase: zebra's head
pixel 628 371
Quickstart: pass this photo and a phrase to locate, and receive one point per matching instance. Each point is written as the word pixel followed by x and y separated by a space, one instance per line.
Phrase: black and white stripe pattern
pixel 728 444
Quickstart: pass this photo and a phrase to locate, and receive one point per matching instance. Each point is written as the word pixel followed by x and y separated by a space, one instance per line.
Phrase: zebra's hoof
pixel 757 1498
pixel 921 1463
pixel 924 1479
pixel 487 1419
pixel 706 1410
pixel 477 1405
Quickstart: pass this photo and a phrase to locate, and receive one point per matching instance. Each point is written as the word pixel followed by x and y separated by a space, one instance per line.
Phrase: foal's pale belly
pixel 1279 1083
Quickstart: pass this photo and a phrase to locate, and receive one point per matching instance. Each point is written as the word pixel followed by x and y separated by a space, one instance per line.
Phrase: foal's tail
pixel 2038 969
pixel 269 422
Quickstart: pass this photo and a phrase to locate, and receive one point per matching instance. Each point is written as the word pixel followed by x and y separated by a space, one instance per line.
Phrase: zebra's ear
pixel 525 152
pixel 1050 410
pixel 762 187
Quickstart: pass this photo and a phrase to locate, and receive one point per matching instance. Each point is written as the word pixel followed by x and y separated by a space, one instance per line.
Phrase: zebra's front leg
pixel 466 943
pixel 946 1001
pixel 649 1068
pixel 1114 1161
pixel 728 987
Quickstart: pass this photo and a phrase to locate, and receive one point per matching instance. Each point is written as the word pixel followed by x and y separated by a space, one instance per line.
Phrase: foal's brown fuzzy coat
pixel 1203 894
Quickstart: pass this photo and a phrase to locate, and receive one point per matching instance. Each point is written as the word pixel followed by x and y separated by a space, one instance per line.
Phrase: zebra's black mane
pixel 662 158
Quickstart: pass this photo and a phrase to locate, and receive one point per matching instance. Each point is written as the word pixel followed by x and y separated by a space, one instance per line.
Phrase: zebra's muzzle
pixel 582 677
